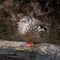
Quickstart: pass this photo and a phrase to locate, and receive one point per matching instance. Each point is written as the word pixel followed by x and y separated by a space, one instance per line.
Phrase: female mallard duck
pixel 29 28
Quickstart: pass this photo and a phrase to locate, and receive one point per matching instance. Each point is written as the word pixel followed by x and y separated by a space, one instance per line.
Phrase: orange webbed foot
pixel 30 44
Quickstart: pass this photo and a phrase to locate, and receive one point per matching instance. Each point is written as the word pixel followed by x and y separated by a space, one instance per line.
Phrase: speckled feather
pixel 30 28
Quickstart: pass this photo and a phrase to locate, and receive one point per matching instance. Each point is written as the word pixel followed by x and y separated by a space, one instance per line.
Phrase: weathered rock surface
pixel 44 51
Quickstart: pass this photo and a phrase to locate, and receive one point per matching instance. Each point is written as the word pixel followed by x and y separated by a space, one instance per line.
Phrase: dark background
pixel 47 11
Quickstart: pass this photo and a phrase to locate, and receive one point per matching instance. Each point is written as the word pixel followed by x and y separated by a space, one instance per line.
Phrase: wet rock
pixel 43 48
pixel 58 56
pixel 49 48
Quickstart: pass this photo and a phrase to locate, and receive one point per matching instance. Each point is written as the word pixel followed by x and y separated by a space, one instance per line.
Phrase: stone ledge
pixel 43 48
pixel 18 50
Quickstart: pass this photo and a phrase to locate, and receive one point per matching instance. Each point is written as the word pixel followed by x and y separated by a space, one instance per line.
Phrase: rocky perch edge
pixel 16 49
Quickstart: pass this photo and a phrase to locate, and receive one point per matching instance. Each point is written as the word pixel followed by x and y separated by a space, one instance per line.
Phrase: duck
pixel 30 28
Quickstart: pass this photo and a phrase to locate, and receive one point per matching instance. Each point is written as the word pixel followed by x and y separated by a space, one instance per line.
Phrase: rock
pixel 43 48
pixel 58 56
pixel 49 48
pixel 18 50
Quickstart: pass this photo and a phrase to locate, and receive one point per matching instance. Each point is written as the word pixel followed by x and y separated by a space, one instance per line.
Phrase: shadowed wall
pixel 47 11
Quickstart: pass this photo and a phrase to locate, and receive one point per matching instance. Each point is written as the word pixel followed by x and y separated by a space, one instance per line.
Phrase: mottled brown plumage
pixel 30 28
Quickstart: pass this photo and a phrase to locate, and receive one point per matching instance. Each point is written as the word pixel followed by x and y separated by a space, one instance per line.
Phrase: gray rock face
pixel 49 48
pixel 26 55
pixel 43 51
